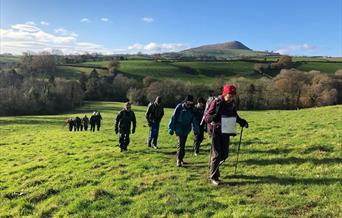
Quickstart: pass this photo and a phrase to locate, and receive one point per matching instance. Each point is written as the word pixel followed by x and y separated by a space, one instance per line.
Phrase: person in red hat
pixel 220 110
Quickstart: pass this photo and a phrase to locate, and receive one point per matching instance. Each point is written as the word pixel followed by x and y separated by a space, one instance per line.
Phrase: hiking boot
pixel 179 163
pixel 154 146
pixel 215 182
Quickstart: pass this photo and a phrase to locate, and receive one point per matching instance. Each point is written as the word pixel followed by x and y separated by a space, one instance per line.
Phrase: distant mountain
pixel 233 49
pixel 223 46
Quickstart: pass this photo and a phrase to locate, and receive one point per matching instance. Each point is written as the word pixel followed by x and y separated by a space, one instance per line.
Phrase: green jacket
pixel 182 120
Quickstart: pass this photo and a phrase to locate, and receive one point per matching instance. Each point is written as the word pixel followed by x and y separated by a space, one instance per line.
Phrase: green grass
pixel 197 72
pixel 290 166
pixel 330 68
pixel 70 72
pixel 9 59
pixel 200 72
pixel 227 53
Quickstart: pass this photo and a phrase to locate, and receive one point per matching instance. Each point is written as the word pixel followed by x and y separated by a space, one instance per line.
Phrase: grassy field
pixel 9 59
pixel 195 71
pixel 70 72
pixel 198 72
pixel 201 72
pixel 330 68
pixel 290 166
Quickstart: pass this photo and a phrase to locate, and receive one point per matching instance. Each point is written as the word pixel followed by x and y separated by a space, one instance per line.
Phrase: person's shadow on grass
pixel 240 180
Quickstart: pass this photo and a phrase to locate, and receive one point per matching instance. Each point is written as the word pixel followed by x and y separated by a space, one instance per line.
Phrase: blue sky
pixel 292 27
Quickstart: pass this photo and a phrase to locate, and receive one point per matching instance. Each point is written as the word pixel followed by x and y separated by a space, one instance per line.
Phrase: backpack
pixel 207 106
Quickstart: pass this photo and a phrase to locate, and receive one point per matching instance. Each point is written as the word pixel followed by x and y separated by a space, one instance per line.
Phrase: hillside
pixel 290 166
pixel 195 71
pixel 231 49
pixel 199 71
pixel 225 46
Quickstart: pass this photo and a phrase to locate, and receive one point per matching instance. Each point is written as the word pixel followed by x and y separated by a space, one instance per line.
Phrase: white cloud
pixel 297 49
pixel 22 37
pixel 44 23
pixel 85 20
pixel 148 19
pixel 25 28
pixel 30 23
pixel 65 32
pixel 152 48
pixel 104 19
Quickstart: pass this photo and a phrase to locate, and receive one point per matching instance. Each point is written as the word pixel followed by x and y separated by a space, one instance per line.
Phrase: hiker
pixel 154 114
pixel 123 122
pixel 85 121
pixel 71 123
pixel 98 120
pixel 219 110
pixel 199 111
pixel 78 125
pixel 180 123
pixel 93 121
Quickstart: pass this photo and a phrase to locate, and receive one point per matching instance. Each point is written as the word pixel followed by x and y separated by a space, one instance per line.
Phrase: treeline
pixel 32 88
pixel 290 89
pixel 22 95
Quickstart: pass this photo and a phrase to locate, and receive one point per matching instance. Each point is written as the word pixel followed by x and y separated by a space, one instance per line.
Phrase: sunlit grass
pixel 290 165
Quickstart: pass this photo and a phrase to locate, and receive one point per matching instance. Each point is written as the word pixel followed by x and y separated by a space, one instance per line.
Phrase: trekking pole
pixel 238 151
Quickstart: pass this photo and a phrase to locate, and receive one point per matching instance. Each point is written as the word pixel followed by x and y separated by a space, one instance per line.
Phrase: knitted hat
pixel 229 89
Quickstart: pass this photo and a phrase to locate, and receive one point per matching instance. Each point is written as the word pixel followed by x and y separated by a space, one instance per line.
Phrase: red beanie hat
pixel 229 89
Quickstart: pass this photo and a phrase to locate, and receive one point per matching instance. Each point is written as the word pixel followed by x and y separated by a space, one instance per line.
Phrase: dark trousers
pixel 98 125
pixel 92 127
pixel 85 127
pixel 181 147
pixel 123 140
pixel 198 139
pixel 70 128
pixel 153 134
pixel 219 153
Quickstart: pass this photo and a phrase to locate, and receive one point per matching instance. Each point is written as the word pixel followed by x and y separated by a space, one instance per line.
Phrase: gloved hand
pixel 116 131
pixel 171 132
pixel 244 123
pixel 133 131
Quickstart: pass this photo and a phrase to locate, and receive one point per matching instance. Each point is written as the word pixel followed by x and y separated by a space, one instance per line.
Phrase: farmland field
pixel 290 166
pixel 201 71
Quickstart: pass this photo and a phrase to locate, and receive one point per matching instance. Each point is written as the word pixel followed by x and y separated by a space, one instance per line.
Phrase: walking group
pixel 218 115
pixel 78 124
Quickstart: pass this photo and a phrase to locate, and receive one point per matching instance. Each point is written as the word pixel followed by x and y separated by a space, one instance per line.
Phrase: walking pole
pixel 238 151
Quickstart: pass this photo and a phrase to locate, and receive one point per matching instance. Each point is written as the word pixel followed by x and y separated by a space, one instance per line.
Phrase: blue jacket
pixel 182 120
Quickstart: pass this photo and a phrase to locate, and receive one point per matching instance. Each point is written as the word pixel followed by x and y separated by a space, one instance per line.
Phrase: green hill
pixel 290 166
pixel 198 71
pixel 194 71
pixel 231 49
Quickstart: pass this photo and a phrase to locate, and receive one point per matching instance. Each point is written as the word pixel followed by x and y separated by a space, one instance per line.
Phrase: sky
pixel 294 27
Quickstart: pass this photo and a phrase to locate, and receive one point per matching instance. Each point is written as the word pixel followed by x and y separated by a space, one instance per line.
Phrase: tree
pixel 113 66
pixel 83 80
pixel 42 64
pixel 285 62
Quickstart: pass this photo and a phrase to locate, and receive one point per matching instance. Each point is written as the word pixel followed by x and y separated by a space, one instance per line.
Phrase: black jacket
pixel 154 113
pixel 123 122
